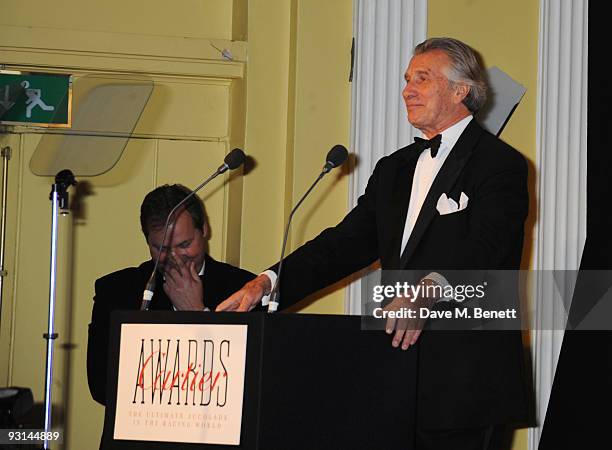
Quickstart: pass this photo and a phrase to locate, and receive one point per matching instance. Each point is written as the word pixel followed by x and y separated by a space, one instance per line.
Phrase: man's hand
pixel 248 297
pixel 183 285
pixel 408 330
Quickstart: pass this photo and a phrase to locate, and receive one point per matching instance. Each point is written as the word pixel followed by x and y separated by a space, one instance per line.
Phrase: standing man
pixel 454 201
pixel 187 279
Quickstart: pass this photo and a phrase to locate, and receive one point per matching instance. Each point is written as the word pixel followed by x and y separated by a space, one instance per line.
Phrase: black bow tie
pixel 433 144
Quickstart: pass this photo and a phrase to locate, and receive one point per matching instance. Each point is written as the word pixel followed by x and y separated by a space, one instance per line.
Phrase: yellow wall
pixel 194 116
pixel 506 35
pixel 298 108
pixel 194 18
pixel 287 106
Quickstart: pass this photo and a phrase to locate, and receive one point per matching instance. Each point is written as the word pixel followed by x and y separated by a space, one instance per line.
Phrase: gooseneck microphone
pixel 232 160
pixel 335 157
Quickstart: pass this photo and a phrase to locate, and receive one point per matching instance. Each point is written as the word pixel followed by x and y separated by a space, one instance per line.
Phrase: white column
pixel 561 169
pixel 386 32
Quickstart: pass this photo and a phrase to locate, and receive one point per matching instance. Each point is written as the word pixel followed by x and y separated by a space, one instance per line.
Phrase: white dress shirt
pixel 425 173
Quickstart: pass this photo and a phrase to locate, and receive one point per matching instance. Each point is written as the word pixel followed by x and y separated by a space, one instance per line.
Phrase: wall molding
pixel 386 32
pixel 95 51
pixel 561 130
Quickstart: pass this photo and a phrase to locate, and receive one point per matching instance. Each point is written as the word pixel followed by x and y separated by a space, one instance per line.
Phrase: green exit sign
pixel 35 99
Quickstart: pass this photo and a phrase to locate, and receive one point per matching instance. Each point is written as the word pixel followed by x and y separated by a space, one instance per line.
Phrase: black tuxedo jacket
pixel 122 290
pixel 465 378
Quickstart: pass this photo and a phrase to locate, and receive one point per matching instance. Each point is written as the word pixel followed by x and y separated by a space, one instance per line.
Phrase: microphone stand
pixel 6 156
pixel 335 157
pixel 275 292
pixel 59 204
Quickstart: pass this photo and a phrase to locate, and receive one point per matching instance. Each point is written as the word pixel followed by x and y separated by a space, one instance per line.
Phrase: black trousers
pixel 497 437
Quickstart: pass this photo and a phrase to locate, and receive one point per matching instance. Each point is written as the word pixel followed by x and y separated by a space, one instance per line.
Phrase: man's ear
pixel 205 230
pixel 461 91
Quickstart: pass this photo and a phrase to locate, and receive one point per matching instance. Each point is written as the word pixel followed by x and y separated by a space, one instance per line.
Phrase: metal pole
pixel 50 336
pixel 59 202
pixel 6 156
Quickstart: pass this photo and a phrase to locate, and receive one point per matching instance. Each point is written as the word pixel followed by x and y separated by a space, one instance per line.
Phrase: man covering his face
pixel 187 278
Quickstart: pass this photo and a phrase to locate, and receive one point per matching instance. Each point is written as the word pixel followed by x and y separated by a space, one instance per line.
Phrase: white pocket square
pixel 447 205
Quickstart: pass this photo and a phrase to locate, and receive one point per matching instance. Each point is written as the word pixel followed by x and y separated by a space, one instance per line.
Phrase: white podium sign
pixel 181 383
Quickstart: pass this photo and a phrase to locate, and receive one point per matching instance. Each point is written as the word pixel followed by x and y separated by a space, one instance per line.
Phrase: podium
pixel 310 382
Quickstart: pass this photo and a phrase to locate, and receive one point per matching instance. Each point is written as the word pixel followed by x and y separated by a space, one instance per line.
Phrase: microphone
pixel 335 157
pixel 232 160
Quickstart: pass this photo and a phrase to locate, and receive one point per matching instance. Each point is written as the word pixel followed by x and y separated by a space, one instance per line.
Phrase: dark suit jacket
pixel 123 290
pixel 465 379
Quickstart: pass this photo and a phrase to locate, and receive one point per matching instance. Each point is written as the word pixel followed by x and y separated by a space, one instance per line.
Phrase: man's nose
pixel 408 91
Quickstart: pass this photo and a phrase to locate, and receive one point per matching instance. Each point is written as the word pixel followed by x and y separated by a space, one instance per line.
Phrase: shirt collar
pixel 450 136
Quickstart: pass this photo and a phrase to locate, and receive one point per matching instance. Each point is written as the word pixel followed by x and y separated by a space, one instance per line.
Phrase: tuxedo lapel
pixel 160 300
pixel 444 182
pixel 212 281
pixel 400 189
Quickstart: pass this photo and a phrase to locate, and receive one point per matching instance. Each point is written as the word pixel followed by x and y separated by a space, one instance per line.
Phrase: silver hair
pixel 465 68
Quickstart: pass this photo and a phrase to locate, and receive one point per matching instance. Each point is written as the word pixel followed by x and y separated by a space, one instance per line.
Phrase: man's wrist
pixel 272 277
pixel 440 284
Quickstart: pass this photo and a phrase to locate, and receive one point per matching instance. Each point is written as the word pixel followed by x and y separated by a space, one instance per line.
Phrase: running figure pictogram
pixel 34 99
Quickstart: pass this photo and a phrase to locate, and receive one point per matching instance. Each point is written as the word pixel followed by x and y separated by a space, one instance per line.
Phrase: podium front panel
pixel 173 421
pixel 310 382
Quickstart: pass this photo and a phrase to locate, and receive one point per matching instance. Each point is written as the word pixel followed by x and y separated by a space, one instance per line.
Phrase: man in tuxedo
pixel 187 278
pixel 454 200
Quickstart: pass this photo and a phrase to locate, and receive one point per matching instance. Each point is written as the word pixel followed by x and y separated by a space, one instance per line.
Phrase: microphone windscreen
pixel 234 159
pixel 337 155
